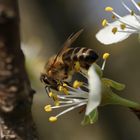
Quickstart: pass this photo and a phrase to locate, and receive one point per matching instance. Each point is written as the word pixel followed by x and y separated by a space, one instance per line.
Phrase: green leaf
pixel 91 118
pixel 113 84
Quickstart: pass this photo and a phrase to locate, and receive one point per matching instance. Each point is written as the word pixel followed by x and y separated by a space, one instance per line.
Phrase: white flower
pixel 122 28
pixel 75 96
pixel 80 94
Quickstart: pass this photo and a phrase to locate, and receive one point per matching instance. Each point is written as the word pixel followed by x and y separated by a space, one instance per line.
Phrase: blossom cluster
pixel 122 27
pixel 98 91
pixel 91 95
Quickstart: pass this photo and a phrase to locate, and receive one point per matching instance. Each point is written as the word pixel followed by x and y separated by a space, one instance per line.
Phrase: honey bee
pixel 60 67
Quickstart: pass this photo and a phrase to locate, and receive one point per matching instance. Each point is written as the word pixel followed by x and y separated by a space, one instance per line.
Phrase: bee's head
pixel 44 79
pixel 48 81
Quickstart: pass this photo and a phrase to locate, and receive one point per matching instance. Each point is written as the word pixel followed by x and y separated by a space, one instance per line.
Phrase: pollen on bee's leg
pixel 77 84
pixel 53 119
pixel 48 108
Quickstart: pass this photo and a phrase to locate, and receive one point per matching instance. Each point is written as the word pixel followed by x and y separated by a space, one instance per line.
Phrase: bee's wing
pixel 67 44
pixel 71 39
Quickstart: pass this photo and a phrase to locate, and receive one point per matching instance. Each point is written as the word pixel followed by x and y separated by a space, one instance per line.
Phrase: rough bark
pixel 16 122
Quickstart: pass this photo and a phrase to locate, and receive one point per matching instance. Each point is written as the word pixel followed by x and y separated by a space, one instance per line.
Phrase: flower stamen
pixel 71 108
pixel 131 11
pixel 50 94
pixel 53 119
pixel 120 19
pixel 77 84
pixel 57 102
pixel 48 108
pixel 113 16
pixel 104 22
pixel 63 89
pixel 136 5
pixel 105 57
pixel 122 26
pixel 109 9
pixel 114 30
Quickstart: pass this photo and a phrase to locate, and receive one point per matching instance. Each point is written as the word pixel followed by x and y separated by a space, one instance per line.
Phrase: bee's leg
pixel 61 83
pixel 48 90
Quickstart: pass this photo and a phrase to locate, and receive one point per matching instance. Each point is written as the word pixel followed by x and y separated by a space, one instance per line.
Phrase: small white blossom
pixel 75 96
pixel 122 27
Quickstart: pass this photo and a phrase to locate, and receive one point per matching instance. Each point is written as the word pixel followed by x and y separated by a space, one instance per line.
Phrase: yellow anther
pixel 77 84
pixel 114 30
pixel 57 103
pixel 77 66
pixel 50 94
pixel 132 13
pixel 55 97
pixel 63 89
pixel 106 56
pixel 60 88
pixel 113 16
pixel 108 9
pixel 138 4
pixel 48 108
pixel 53 119
pixel 104 22
pixel 123 26
pixel 65 85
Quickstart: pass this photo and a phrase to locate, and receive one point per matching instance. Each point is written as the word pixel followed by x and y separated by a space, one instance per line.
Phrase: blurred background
pixel 45 25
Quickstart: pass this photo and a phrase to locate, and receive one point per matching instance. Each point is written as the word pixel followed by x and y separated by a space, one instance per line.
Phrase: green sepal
pixel 113 84
pixel 98 70
pixel 91 118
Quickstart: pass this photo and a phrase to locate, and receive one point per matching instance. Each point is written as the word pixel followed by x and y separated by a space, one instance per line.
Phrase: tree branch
pixel 16 122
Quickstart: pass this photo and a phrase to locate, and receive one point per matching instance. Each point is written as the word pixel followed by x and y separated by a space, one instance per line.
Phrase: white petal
pixel 106 36
pixel 131 20
pixel 94 82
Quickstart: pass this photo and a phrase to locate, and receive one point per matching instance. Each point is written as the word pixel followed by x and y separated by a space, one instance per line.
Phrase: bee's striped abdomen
pixel 84 56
